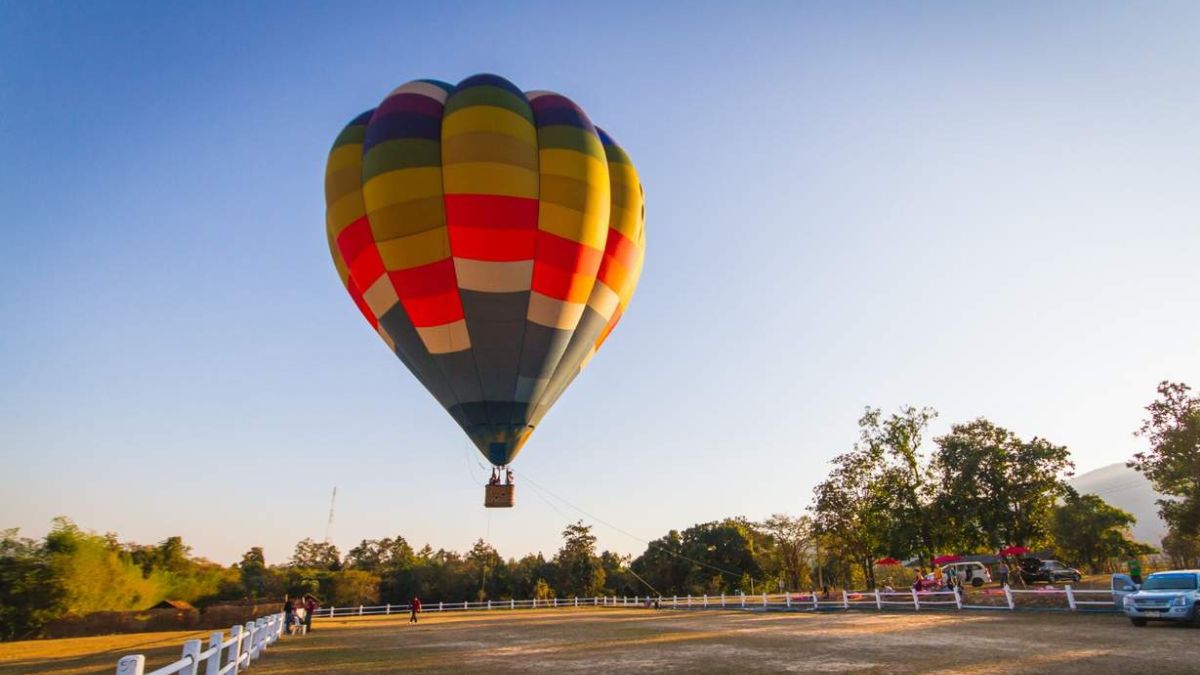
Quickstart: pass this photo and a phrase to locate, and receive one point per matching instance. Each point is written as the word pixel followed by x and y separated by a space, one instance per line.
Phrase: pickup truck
pixel 1163 596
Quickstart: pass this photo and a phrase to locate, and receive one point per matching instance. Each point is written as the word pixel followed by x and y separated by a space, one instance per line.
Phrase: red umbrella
pixel 883 562
pixel 943 559
pixel 1014 550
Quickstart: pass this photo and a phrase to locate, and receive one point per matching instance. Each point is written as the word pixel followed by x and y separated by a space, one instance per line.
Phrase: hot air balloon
pixel 493 238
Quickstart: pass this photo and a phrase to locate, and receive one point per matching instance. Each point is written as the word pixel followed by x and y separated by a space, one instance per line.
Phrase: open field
pixel 619 640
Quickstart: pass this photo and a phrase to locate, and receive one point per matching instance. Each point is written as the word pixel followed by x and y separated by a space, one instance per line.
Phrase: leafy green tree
pixel 618 580
pixel 1173 461
pixel 484 564
pixel 352 587
pixel 381 555
pixel 996 489
pixel 880 497
pixel 580 572
pixel 706 558
pixel 1089 531
pixel 852 513
pixel 317 555
pixel 253 569
pixel 29 593
pixel 96 574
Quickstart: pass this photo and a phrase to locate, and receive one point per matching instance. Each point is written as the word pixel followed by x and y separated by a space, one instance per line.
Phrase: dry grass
pixel 91 654
pixel 620 640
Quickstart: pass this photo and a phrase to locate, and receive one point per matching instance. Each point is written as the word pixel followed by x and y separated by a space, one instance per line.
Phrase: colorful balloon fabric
pixel 493 238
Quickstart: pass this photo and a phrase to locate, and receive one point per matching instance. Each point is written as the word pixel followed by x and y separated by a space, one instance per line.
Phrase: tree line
pixel 975 489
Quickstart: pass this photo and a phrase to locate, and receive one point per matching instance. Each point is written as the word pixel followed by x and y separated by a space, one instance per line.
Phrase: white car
pixel 973 573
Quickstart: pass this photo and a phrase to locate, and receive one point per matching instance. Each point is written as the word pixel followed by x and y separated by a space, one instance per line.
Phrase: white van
pixel 973 573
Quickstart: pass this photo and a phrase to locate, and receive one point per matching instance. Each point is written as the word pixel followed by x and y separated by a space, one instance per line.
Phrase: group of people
pixel 942 579
pixel 298 612
pixel 495 479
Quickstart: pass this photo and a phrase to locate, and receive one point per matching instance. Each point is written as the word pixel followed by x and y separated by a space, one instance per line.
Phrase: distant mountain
pixel 1126 489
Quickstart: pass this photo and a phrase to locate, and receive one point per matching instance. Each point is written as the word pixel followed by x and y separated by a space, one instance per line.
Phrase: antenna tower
pixel 329 524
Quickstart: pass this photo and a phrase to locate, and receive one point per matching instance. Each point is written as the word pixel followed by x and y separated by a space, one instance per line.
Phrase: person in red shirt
pixel 310 608
pixel 415 605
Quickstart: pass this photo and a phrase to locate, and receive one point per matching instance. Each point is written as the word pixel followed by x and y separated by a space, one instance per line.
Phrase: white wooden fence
pixel 245 644
pixel 1005 598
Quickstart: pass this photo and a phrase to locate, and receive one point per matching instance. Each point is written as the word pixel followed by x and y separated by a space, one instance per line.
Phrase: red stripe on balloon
pixel 424 281
pixel 435 310
pixel 356 237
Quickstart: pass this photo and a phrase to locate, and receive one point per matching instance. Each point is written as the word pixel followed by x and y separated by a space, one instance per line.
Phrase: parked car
pixel 1163 596
pixel 974 573
pixel 1049 571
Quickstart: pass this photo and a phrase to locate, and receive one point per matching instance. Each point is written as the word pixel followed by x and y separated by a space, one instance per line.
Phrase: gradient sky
pixel 988 209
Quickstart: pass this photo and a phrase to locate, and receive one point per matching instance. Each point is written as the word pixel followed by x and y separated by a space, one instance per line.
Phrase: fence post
pixel 916 602
pixel 743 599
pixel 706 601
pixel 555 601
pixel 816 603
pixel 331 611
pixel 248 641
pixel 787 600
pixel 1071 598
pixel 958 596
pixel 689 601
pixel 213 667
pixel 722 599
pixel 764 599
pixel 845 600
pixel 878 600
pixel 674 602
pixel 233 656
pixel 251 641
pixel 131 665
pixel 440 607
pixel 387 610
pixel 1009 597
pixel 191 649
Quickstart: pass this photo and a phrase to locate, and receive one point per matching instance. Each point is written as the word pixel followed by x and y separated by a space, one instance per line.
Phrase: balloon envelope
pixel 492 237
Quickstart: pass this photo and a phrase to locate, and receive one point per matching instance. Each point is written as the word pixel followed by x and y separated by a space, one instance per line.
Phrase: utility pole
pixel 329 524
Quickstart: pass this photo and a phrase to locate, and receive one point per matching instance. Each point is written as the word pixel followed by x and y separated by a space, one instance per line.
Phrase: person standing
pixel 415 606
pixel 310 608
pixel 937 575
pixel 287 613
pixel 1002 574
pixel 1135 570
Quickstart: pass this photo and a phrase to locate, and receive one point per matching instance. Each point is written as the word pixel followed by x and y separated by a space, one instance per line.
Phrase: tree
pixel 253 570
pixel 1173 462
pixel 1091 532
pixel 997 489
pixel 580 572
pixel 710 558
pixel 485 565
pixel 790 538
pixel 380 555
pixel 1184 551
pixel 29 594
pixel 352 587
pixel 316 555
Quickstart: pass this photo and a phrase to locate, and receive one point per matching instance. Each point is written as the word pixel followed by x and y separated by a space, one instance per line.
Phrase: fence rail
pixel 1004 598
pixel 245 644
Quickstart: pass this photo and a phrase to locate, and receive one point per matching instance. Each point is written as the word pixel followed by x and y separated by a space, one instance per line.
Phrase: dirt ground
pixel 636 640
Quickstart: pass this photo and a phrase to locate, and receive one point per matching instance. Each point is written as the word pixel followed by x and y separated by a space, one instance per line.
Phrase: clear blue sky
pixel 989 209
